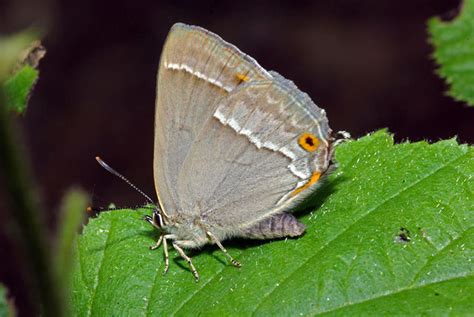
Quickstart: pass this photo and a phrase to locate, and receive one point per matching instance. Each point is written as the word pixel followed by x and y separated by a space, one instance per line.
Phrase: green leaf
pixel 453 42
pixel 394 234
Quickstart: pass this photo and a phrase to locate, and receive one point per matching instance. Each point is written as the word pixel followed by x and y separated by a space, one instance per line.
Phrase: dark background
pixel 366 62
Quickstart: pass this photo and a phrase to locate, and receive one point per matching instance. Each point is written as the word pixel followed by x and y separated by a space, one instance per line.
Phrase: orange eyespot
pixel 242 77
pixel 308 141
pixel 313 179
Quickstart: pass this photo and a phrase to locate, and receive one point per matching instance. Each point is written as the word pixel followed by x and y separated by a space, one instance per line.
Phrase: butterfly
pixel 236 146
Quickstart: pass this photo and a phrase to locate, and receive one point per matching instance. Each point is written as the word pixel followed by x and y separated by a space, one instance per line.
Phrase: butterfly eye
pixel 158 219
pixel 308 141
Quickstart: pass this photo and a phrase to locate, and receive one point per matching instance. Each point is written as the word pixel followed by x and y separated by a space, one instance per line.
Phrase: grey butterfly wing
pixel 197 69
pixel 248 163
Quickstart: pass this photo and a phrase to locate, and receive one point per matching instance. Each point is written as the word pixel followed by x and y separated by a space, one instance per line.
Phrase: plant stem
pixel 27 214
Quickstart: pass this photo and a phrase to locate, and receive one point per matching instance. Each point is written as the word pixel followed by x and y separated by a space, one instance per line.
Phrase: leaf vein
pixel 81 268
pixel 152 290
pixel 190 297
pixel 434 256
pixel 94 290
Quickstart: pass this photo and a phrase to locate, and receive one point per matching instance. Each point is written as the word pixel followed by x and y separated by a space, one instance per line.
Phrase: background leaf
pixel 352 259
pixel 6 308
pixel 454 51
pixel 18 88
pixel 73 214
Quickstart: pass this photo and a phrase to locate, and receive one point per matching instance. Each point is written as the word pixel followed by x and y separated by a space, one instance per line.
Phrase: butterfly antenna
pixel 114 172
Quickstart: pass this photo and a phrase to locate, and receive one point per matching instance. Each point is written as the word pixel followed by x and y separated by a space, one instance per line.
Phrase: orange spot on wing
pixel 312 180
pixel 308 141
pixel 243 77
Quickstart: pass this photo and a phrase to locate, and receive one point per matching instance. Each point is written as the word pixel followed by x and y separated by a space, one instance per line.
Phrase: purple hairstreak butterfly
pixel 236 148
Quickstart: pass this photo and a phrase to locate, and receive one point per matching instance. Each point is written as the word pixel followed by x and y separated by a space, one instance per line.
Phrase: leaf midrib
pixel 390 293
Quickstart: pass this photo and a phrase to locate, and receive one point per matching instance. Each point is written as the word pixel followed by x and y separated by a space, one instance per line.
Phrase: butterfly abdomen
pixel 277 226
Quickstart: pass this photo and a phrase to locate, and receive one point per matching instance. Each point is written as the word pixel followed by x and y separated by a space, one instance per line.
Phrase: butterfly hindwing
pixel 249 161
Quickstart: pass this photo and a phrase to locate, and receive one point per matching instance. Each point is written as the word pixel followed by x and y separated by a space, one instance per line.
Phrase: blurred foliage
pixel 73 214
pixel 19 58
pixel 453 43
pixel 19 54
pixel 394 235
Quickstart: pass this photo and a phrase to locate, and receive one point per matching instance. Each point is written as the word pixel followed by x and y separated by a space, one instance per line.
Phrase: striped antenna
pixel 114 172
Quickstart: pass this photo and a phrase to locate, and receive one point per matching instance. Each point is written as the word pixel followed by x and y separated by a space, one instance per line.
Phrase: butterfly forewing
pixel 197 69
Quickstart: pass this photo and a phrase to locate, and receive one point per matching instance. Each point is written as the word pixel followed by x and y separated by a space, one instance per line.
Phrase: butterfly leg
pixel 167 258
pixel 163 240
pixel 157 244
pixel 219 244
pixel 188 259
